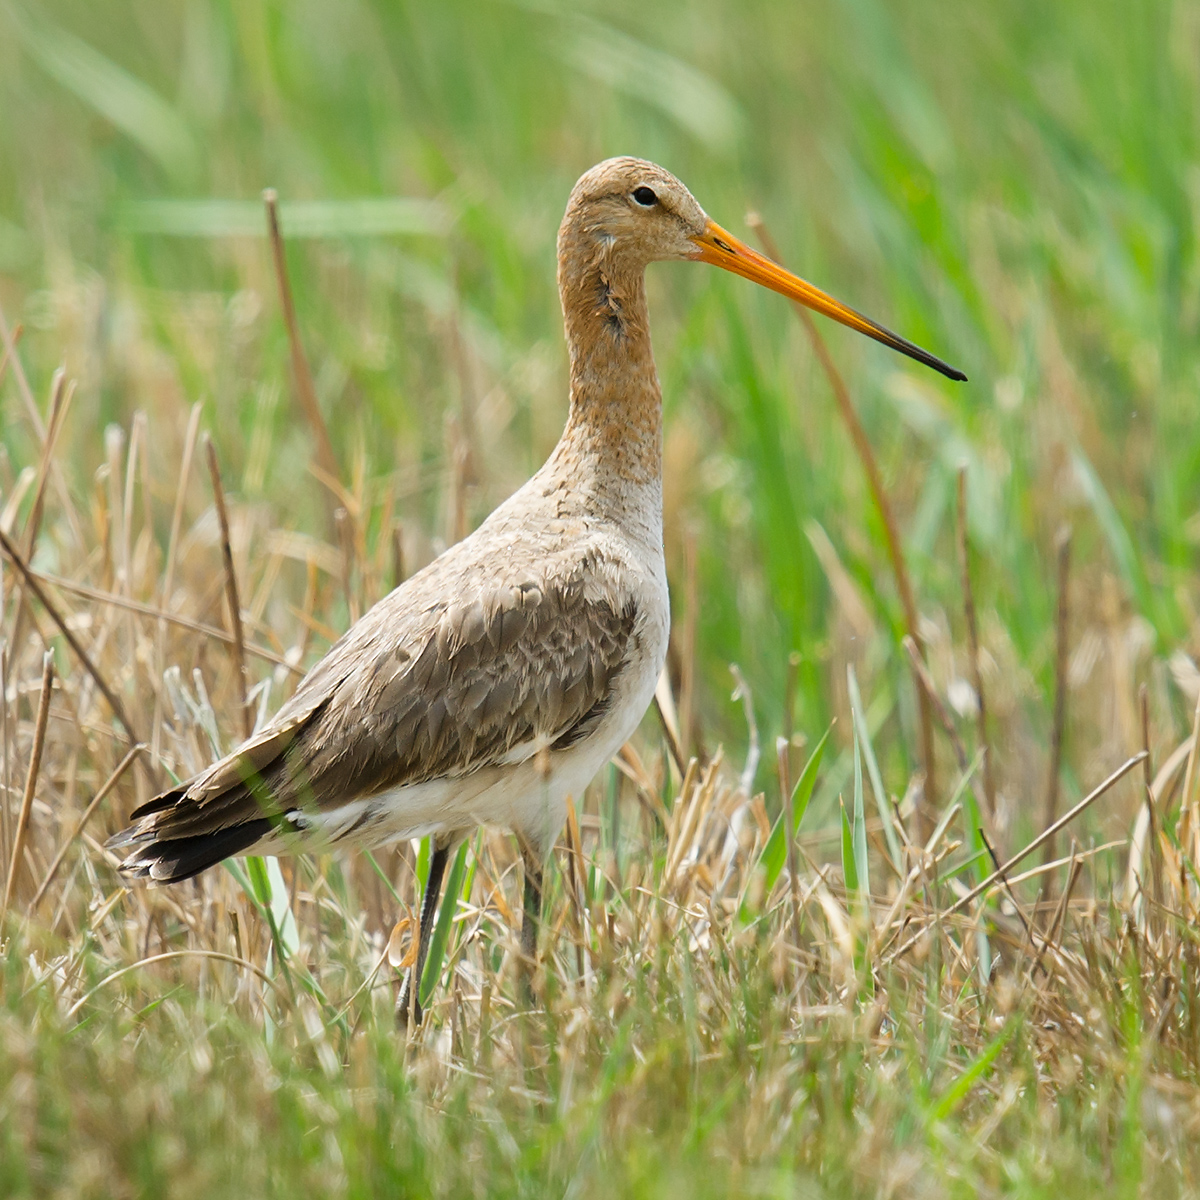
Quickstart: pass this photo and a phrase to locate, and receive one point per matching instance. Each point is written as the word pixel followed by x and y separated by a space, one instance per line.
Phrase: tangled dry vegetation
pixel 885 1001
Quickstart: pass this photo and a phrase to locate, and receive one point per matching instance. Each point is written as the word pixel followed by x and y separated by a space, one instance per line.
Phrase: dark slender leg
pixel 410 992
pixel 530 919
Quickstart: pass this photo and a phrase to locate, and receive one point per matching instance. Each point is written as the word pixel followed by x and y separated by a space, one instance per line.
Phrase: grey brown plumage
pixel 422 688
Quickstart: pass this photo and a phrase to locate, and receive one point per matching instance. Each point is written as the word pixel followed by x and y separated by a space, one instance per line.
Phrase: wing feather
pixel 410 694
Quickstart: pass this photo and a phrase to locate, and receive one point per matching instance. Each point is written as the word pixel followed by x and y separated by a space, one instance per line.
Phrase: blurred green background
pixel 1014 185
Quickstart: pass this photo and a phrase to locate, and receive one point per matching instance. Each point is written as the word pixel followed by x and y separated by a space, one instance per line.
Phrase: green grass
pixel 1013 186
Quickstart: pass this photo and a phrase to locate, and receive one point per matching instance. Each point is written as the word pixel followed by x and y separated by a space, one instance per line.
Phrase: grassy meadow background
pixel 1014 186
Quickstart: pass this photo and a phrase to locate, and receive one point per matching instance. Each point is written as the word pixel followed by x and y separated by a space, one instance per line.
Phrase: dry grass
pixel 902 1016
pixel 719 1014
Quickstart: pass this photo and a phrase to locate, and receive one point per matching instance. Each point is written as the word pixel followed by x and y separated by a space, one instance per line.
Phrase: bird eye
pixel 645 197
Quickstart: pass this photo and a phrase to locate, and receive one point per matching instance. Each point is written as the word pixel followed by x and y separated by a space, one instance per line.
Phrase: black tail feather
pixel 175 859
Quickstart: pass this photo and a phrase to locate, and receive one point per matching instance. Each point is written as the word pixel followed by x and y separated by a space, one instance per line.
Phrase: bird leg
pixel 410 991
pixel 530 919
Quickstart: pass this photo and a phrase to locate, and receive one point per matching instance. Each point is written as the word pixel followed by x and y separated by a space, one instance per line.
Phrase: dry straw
pixel 660 881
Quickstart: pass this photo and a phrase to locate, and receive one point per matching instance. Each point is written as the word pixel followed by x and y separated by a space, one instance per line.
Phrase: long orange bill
pixel 722 249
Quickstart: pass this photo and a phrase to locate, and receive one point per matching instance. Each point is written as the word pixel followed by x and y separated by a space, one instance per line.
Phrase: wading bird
pixel 496 682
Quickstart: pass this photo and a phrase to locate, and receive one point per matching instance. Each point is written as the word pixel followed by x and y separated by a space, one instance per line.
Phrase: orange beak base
pixel 722 249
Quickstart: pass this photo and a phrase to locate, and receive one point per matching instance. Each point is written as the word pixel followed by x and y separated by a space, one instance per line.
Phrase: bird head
pixel 636 210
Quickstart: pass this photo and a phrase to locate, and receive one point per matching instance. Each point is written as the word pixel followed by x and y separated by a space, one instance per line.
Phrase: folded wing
pixel 405 697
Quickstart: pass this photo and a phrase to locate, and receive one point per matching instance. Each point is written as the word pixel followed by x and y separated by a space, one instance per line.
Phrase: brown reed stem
pixel 862 446
pixel 1050 807
pixel 671 740
pixel 114 703
pixel 231 589
pixel 31 777
pixel 306 393
pixel 964 558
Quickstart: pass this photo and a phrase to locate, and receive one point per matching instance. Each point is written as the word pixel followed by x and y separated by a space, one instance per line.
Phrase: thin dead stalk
pixel 31 778
pixel 1036 844
pixel 214 955
pixel 1073 871
pixel 148 610
pixel 114 703
pixel 862 446
pixel 1005 883
pixel 670 738
pixel 1050 808
pixel 96 801
pixel 31 408
pixel 306 393
pixel 231 590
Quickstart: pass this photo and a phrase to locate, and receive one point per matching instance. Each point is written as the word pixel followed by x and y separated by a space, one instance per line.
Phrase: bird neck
pixel 612 442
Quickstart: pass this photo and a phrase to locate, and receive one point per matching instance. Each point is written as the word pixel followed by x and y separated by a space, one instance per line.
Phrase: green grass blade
pixel 441 931
pixel 1115 534
pixel 281 910
pixel 983 946
pixel 368 216
pixel 256 883
pixel 131 105
pixel 862 868
pixel 387 883
pixel 849 870
pixel 863 739
pixel 421 870
pixel 775 853
pixel 696 102
pixel 953 807
pixel 957 1092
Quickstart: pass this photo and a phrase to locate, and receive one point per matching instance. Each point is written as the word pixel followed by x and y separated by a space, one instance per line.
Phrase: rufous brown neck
pixel 613 436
